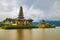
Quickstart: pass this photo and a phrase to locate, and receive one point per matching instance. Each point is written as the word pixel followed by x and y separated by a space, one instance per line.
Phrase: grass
pixel 19 27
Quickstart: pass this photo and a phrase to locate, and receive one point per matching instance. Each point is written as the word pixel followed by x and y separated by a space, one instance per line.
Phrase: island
pixel 21 23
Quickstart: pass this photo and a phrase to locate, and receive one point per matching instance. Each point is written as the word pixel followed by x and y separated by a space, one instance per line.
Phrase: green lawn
pixel 19 27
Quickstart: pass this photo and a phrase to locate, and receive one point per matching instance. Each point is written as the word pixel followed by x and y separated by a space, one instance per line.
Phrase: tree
pixel 9 19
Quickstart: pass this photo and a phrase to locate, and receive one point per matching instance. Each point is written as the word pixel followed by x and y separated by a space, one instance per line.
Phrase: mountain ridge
pixel 57 23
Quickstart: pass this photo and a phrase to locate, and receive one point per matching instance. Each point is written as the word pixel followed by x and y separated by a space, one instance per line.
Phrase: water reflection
pixel 19 34
pixel 30 34
pixel 24 34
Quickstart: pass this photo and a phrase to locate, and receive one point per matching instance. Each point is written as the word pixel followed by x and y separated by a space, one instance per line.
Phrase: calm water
pixel 31 34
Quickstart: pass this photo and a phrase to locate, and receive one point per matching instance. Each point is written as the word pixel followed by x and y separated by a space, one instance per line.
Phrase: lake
pixel 31 34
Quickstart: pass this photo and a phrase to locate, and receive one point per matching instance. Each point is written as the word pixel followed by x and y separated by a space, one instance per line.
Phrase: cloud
pixel 36 9
pixel 10 9
pixel 54 13
pixel 33 13
pixel 7 8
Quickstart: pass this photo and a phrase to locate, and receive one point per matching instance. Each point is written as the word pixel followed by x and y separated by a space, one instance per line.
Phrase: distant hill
pixel 57 23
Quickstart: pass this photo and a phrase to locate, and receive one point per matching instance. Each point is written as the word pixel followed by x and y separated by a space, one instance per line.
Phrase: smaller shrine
pixel 43 24
pixel 29 22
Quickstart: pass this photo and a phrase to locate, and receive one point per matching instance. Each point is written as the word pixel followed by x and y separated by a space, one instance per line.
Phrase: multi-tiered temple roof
pixel 21 16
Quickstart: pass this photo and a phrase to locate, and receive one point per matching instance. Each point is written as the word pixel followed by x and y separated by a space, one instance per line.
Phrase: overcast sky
pixel 35 9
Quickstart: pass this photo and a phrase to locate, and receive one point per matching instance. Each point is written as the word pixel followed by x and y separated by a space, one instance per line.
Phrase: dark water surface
pixel 31 34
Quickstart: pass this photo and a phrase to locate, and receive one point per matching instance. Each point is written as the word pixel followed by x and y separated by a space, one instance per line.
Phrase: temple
pixel 20 19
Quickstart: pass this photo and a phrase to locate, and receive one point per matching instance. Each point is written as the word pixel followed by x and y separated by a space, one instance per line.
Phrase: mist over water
pixel 31 34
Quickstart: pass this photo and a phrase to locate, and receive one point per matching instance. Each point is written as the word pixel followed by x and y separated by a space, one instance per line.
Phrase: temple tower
pixel 20 17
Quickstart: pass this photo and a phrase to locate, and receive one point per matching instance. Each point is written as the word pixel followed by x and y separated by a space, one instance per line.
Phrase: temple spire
pixel 21 16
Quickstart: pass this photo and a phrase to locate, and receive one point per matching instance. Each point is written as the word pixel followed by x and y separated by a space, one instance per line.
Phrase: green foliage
pixel 19 27
pixel 9 19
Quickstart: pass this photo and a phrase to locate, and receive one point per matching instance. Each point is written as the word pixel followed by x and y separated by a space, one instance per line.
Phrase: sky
pixel 35 9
